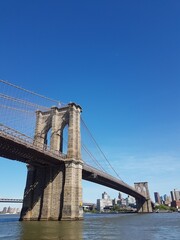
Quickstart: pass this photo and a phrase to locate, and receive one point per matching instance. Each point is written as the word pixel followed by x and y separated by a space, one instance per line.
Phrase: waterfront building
pixel 4 210
pixel 107 203
pixel 114 201
pixel 10 210
pixel 165 197
pixel 120 196
pixel 88 206
pixel 122 202
pixel 161 200
pixel 172 196
pixel 157 198
pixel 130 201
pixel 104 202
pixel 175 204
pixel 177 194
pixel 105 196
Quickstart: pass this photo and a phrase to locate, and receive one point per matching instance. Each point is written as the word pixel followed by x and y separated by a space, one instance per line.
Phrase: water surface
pixel 153 226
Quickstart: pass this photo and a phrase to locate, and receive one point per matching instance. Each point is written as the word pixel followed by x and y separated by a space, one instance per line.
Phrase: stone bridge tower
pixel 55 192
pixel 143 205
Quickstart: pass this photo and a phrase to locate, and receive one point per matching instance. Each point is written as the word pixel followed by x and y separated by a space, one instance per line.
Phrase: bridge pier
pixel 72 199
pixel 143 204
pixel 43 193
pixel 55 192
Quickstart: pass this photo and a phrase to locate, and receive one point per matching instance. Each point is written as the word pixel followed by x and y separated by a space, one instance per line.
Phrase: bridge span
pixel 16 146
pixel 54 180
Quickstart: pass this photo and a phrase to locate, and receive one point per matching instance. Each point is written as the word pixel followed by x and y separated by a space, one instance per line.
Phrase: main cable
pixel 18 100
pixel 31 92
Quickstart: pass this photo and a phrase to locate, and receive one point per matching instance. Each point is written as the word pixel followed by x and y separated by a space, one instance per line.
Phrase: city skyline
pixel 157 198
pixel 120 62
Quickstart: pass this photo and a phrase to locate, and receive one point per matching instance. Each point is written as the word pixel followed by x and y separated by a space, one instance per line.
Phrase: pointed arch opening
pixel 64 139
pixel 47 139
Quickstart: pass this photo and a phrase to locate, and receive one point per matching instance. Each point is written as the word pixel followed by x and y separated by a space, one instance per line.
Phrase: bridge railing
pixel 28 141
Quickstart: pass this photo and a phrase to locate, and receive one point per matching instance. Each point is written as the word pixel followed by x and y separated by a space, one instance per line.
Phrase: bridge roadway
pixel 11 200
pixel 16 146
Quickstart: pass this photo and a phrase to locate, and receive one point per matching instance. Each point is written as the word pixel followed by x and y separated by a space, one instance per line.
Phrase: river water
pixel 153 226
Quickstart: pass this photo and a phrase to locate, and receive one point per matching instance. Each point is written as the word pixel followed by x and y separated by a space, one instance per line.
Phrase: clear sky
pixel 120 60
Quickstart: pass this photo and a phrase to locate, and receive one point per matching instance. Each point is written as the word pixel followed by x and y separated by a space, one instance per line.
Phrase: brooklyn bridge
pixel 33 130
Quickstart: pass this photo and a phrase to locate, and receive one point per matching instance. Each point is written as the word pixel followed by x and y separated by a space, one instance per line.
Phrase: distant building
pixel 114 201
pixel 119 196
pixel 122 202
pixel 177 194
pixel 157 198
pixel 175 204
pixel 88 206
pixel 4 210
pixel 167 200
pixel 130 201
pixel 161 200
pixel 172 196
pixel 10 210
pixel 104 202
pixel 105 196
pixel 165 197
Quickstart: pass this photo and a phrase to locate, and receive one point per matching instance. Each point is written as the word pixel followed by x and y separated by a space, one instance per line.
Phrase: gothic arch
pixel 57 119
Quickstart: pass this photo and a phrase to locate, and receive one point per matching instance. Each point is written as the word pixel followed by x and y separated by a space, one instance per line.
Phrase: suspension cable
pixel 93 158
pixel 17 109
pixel 33 93
pixel 59 104
pixel 22 101
pixel 89 153
pixel 99 148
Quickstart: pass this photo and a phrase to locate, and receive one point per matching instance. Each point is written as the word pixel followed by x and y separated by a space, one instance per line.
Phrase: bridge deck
pixel 94 175
pixel 16 146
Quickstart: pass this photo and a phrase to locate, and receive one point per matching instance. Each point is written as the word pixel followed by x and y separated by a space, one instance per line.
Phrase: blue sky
pixel 120 61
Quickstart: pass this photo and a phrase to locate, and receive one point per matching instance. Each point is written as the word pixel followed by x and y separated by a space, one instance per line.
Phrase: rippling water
pixel 95 226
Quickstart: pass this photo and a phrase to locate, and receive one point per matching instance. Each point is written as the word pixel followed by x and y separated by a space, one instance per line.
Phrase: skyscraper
pixel 177 194
pixel 172 196
pixel 119 196
pixel 157 198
